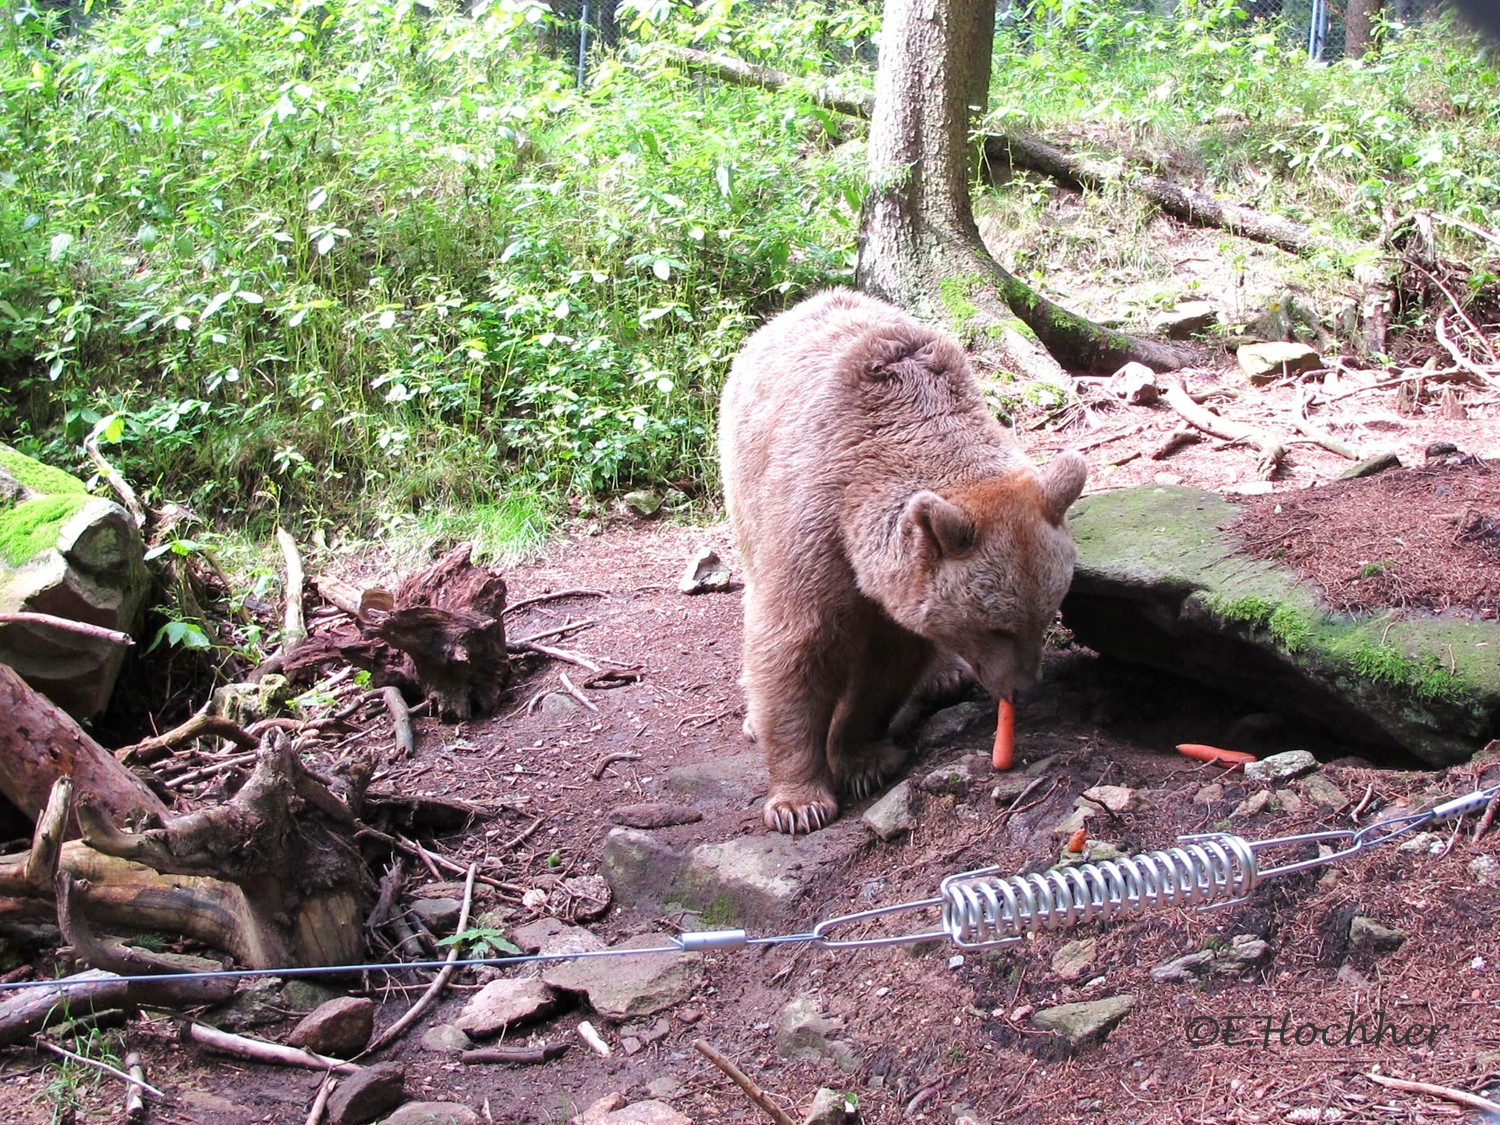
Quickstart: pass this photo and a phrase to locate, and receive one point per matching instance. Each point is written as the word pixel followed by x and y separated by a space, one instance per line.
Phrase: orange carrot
pixel 1005 736
pixel 1229 759
pixel 1077 840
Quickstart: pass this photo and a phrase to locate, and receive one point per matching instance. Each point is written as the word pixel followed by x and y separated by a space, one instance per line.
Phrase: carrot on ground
pixel 1077 841
pixel 1005 736
pixel 1229 759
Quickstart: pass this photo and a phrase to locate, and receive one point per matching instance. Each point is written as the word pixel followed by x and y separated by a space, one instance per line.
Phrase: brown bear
pixel 886 520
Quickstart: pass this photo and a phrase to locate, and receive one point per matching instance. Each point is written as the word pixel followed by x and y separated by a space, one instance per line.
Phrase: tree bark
pixel 1359 27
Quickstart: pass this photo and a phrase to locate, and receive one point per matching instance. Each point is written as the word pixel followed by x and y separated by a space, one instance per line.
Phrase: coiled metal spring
pixel 980 908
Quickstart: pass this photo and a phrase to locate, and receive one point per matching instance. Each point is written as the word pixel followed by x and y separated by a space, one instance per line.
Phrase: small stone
pixel 1351 977
pixel 804 1032
pixel 445 1039
pixel 653 814
pixel 891 816
pixel 433 1113
pixel 1286 801
pixel 1181 970
pixel 827 1108
pixel 1009 786
pixel 1484 869
pixel 948 726
pixel 1209 794
pixel 1075 958
pixel 705 573
pixel 953 781
pixel 630 1045
pixel 1075 820
pixel 1322 792
pixel 1187 319
pixel 1086 1023
pixel 1428 842
pixel 1256 803
pixel 558 703
pixel 439 915
pixel 1135 383
pixel 1116 798
pixel 1281 767
pixel 648 1033
pixel 1276 359
pixel 367 1094
pixel 504 1003
pixel 1368 934
pixel 634 1113
pixel 665 1088
pixel 340 1028
pixel 643 502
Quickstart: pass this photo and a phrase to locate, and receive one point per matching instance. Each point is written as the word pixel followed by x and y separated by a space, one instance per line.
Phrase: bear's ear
pixel 1062 481
pixel 941 528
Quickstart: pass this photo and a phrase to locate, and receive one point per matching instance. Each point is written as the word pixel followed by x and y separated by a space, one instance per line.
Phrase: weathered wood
pixel 1271 451
pixel 203 724
pixel 26 1011
pixel 40 742
pixel 258 1050
pixel 294 630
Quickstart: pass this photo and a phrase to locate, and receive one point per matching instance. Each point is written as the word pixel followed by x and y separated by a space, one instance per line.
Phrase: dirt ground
pixel 941 1036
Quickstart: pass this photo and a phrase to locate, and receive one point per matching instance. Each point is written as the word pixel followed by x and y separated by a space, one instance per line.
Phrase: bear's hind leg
pixel 861 754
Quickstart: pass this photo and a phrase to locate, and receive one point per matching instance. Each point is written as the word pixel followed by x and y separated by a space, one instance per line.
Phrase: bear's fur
pixel 884 517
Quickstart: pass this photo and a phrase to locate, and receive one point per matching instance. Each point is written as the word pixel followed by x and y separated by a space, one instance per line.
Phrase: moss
pixel 1424 676
pixel 1291 628
pixel 31 526
pixel 36 477
pixel 1253 611
pixel 720 914
pixel 956 294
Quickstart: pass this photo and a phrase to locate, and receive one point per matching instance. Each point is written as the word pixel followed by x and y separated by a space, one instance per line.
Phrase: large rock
pixel 750 878
pixel 1160 582
pixel 622 988
pixel 72 555
pixel 1087 1023
pixel 1276 359
pixel 504 1003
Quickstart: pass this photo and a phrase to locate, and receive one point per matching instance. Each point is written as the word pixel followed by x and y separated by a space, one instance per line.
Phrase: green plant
pixel 482 942
pixel 70 1082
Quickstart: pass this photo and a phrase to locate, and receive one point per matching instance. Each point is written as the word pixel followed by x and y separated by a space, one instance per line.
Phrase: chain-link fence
pixel 1322 25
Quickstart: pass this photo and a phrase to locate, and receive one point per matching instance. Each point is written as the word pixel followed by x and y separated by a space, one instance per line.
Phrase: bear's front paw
pixel 800 808
pixel 865 774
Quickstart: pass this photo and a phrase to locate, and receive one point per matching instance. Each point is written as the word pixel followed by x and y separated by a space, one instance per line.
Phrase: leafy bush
pixel 320 258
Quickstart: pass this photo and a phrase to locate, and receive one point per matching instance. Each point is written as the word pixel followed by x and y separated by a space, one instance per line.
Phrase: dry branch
pixel 1305 427
pixel 258 1050
pixel 428 998
pixel 515 1056
pixel 743 1081
pixel 118 483
pixel 294 632
pixel 406 741
pixel 1271 450
pixel 67 625
pixel 25 1012
pixel 1448 1093
pixel 135 1104
pixel 203 724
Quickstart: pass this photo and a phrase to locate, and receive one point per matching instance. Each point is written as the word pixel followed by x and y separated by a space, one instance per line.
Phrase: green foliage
pixel 1289 626
pixel 1236 100
pixel 309 254
pixel 482 942
pixel 1428 680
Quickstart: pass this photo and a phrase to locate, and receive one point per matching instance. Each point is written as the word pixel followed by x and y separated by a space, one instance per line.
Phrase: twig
pixel 1459 309
pixel 112 477
pixel 575 693
pixel 609 760
pixel 204 772
pixel 1174 441
pixel 1097 442
pixel 104 1066
pixel 589 1035
pixel 406 741
pixel 560 594
pixel 743 1081
pixel 516 1056
pixel 135 1101
pixel 1456 374
pixel 1488 818
pixel 556 654
pixel 1440 329
pixel 320 1103
pixel 202 724
pixel 258 1050
pixel 522 836
pixel 82 628
pixel 1303 425
pixel 294 632
pixel 556 631
pixel 1462 1097
pixel 427 858
pixel 428 998
pixel 1271 450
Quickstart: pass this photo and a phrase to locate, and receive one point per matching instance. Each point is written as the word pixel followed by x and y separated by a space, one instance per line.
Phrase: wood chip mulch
pixel 1424 539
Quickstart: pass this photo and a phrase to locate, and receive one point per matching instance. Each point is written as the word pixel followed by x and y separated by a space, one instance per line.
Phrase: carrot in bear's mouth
pixel 1005 736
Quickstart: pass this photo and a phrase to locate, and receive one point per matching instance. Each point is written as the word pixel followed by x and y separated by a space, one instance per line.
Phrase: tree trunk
pixel 1359 27
pixel 919 243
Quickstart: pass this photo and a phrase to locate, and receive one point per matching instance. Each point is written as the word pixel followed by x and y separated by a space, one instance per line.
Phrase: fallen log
pixel 41 742
pixel 25 1012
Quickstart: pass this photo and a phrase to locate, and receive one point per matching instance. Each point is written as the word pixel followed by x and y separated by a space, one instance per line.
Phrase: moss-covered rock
pixel 70 555
pixel 1160 582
